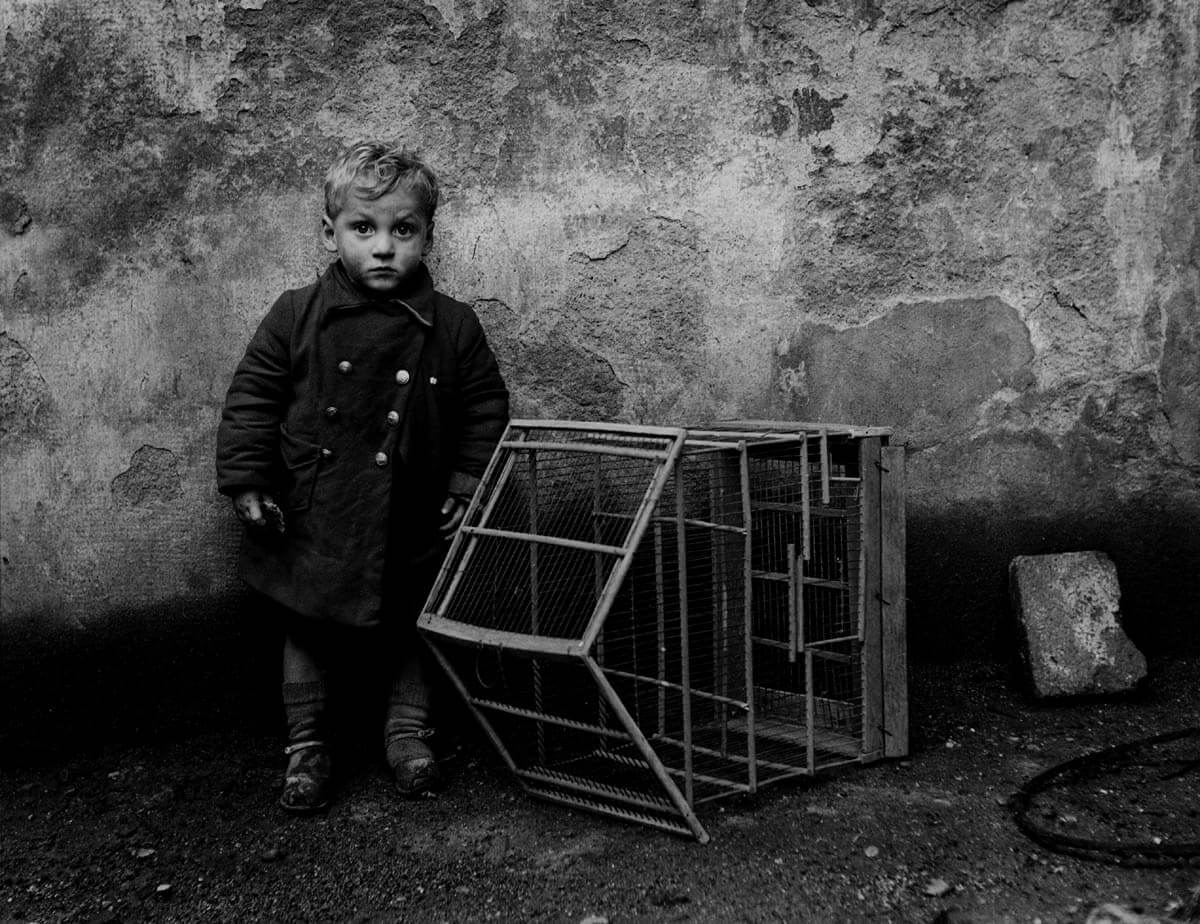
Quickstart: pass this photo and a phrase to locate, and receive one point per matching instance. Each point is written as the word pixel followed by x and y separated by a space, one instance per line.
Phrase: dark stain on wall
pixel 1196 126
pixel 1129 12
pixel 610 134
pixel 956 86
pixel 14 213
pixel 1118 429
pixel 152 478
pixel 814 113
pixel 773 117
pixel 930 149
pixel 859 11
pixel 1053 147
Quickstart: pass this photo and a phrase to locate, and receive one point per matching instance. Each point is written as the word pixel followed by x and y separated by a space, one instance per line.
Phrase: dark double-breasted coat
pixel 361 416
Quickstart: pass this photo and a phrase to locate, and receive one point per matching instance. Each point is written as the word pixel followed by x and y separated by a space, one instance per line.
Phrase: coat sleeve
pixel 256 405
pixel 484 406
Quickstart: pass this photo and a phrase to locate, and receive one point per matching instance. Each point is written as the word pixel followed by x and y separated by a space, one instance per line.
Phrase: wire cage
pixel 644 619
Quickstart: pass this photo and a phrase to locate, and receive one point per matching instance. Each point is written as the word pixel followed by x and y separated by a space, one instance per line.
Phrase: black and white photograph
pixel 600 461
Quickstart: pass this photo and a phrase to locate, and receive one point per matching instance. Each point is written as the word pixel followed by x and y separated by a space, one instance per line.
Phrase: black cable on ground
pixel 1125 854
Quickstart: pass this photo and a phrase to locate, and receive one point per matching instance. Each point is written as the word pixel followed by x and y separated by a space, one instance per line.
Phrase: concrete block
pixel 1067 608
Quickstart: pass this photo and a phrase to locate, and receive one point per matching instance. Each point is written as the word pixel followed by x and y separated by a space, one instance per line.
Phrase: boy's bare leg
pixel 307 780
pixel 300 663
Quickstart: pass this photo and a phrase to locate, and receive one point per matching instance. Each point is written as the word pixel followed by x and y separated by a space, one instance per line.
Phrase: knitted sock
pixel 406 733
pixel 407 723
pixel 304 708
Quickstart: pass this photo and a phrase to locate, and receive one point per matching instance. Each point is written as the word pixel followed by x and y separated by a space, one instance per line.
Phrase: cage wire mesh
pixel 644 619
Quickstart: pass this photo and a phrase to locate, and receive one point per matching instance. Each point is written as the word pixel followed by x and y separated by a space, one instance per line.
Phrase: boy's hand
pixel 453 511
pixel 258 509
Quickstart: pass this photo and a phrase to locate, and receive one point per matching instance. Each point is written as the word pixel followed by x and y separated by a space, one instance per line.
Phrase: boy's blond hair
pixel 371 169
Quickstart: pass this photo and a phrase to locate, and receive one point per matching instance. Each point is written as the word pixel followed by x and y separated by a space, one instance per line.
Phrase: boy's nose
pixel 382 244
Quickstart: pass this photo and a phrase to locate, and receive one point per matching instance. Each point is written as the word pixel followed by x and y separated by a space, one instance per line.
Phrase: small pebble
pixel 936 888
pixel 272 854
pixel 872 851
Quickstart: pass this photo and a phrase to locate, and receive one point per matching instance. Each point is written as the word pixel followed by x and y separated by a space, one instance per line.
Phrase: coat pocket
pixel 300 462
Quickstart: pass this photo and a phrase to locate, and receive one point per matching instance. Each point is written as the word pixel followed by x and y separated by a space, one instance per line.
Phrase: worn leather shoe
pixel 413 763
pixel 306 784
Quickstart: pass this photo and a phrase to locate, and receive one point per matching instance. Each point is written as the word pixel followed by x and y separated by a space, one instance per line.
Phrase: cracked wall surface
pixel 974 222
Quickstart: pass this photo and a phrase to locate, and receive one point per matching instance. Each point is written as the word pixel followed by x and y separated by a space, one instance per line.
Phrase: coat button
pixel 402 377
pixel 326 453
pixel 344 367
pixel 393 418
pixel 331 411
pixel 381 459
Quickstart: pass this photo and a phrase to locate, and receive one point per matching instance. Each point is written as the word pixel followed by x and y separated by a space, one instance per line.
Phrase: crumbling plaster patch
pixel 151 478
pixel 926 368
pixel 22 388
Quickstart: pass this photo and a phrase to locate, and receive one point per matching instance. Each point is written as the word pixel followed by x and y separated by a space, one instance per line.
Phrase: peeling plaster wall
pixel 974 221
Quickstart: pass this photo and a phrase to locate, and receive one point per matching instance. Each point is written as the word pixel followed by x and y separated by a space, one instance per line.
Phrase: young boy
pixel 354 433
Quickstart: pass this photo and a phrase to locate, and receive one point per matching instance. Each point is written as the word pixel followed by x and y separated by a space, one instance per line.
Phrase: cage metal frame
pixel 692 751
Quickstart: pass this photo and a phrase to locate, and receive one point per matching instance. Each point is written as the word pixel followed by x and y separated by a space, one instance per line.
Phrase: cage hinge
pixel 883 468
pixel 880 598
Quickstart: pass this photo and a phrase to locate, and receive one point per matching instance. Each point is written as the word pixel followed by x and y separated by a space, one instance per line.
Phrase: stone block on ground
pixel 1066 606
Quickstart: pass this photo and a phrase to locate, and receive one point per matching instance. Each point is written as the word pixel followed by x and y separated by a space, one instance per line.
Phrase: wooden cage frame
pixel 659 769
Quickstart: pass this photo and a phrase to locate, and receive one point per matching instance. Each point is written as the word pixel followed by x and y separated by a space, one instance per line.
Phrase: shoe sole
pixel 302 809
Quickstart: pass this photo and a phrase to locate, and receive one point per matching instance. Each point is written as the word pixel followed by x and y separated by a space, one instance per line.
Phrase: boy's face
pixel 380 241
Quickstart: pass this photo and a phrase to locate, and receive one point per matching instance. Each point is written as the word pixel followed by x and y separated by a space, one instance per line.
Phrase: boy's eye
pixel 361 227
pixel 404 229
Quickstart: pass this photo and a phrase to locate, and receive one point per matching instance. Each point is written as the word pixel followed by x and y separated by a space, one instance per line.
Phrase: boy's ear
pixel 428 239
pixel 327 236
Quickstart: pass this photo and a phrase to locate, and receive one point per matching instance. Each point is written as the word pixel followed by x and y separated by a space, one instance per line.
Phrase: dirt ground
pixel 185 829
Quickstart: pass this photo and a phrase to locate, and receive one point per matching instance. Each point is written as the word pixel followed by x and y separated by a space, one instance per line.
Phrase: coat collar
pixel 339 293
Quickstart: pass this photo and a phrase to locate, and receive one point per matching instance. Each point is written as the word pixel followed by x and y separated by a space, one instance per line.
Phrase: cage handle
pixel 501 681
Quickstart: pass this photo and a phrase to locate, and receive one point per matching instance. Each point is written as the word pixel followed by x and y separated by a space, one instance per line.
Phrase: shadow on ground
pixel 121 803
